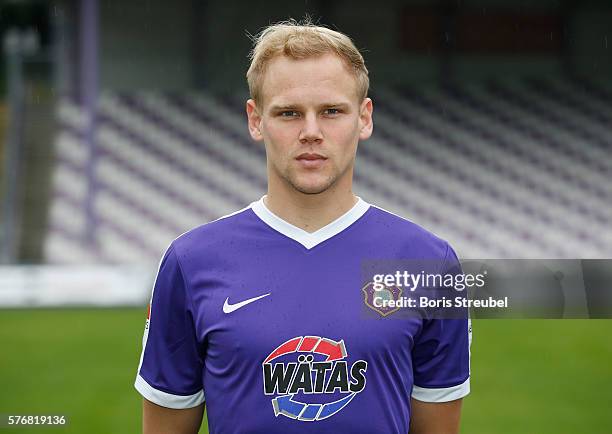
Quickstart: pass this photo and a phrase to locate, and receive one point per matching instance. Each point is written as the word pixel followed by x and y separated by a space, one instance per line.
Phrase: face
pixel 310 120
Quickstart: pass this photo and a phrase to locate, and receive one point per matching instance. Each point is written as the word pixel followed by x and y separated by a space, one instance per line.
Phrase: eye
pixel 288 114
pixel 332 111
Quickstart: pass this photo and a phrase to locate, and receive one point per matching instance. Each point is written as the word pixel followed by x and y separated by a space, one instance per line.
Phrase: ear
pixel 254 120
pixel 365 119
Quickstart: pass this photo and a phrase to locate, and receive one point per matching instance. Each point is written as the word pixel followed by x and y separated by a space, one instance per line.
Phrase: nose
pixel 311 131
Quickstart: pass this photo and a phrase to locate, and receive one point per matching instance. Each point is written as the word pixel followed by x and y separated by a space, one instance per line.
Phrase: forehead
pixel 305 81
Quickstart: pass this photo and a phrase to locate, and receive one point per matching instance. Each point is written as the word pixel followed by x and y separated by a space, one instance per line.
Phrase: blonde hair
pixel 302 40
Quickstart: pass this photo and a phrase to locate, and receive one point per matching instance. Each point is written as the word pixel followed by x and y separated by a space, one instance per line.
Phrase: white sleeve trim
pixel 443 394
pixel 167 399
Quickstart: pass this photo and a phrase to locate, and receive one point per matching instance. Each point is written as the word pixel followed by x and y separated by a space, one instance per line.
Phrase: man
pixel 259 315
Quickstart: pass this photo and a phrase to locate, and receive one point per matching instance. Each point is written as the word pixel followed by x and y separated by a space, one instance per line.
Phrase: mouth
pixel 310 160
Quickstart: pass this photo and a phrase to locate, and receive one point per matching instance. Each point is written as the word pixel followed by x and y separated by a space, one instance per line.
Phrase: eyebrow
pixel 296 106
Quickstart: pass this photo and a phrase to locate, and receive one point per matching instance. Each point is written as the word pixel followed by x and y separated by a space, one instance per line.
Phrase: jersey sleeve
pixel 170 370
pixel 441 354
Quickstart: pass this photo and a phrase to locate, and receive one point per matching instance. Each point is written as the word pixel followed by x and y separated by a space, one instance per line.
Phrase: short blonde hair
pixel 302 40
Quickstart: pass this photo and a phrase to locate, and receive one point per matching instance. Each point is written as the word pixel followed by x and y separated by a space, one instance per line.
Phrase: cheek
pixel 345 134
pixel 277 136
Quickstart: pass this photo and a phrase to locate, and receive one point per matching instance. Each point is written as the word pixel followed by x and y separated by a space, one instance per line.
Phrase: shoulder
pixel 212 235
pixel 407 235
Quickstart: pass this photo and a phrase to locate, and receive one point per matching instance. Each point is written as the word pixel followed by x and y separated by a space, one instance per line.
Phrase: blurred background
pixel 122 125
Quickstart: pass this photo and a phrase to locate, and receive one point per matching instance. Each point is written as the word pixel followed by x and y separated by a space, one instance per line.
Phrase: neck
pixel 310 212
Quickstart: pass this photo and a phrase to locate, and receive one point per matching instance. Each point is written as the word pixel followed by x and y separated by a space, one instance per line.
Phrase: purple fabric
pixel 191 344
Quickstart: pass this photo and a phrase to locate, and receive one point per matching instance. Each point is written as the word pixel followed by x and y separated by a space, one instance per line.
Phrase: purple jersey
pixel 265 323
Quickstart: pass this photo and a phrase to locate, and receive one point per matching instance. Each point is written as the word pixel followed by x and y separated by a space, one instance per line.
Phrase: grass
pixel 540 376
pixel 81 363
pixel 536 376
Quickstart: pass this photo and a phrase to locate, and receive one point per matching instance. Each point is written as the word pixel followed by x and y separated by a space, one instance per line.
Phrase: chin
pixel 312 187
pixel 311 190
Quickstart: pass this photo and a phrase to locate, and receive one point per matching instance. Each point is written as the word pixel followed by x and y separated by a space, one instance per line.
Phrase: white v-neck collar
pixel 309 239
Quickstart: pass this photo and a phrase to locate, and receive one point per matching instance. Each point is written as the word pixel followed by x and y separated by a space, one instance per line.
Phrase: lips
pixel 311 160
pixel 310 156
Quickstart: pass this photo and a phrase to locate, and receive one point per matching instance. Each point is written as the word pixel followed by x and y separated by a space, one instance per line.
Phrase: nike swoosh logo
pixel 229 308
